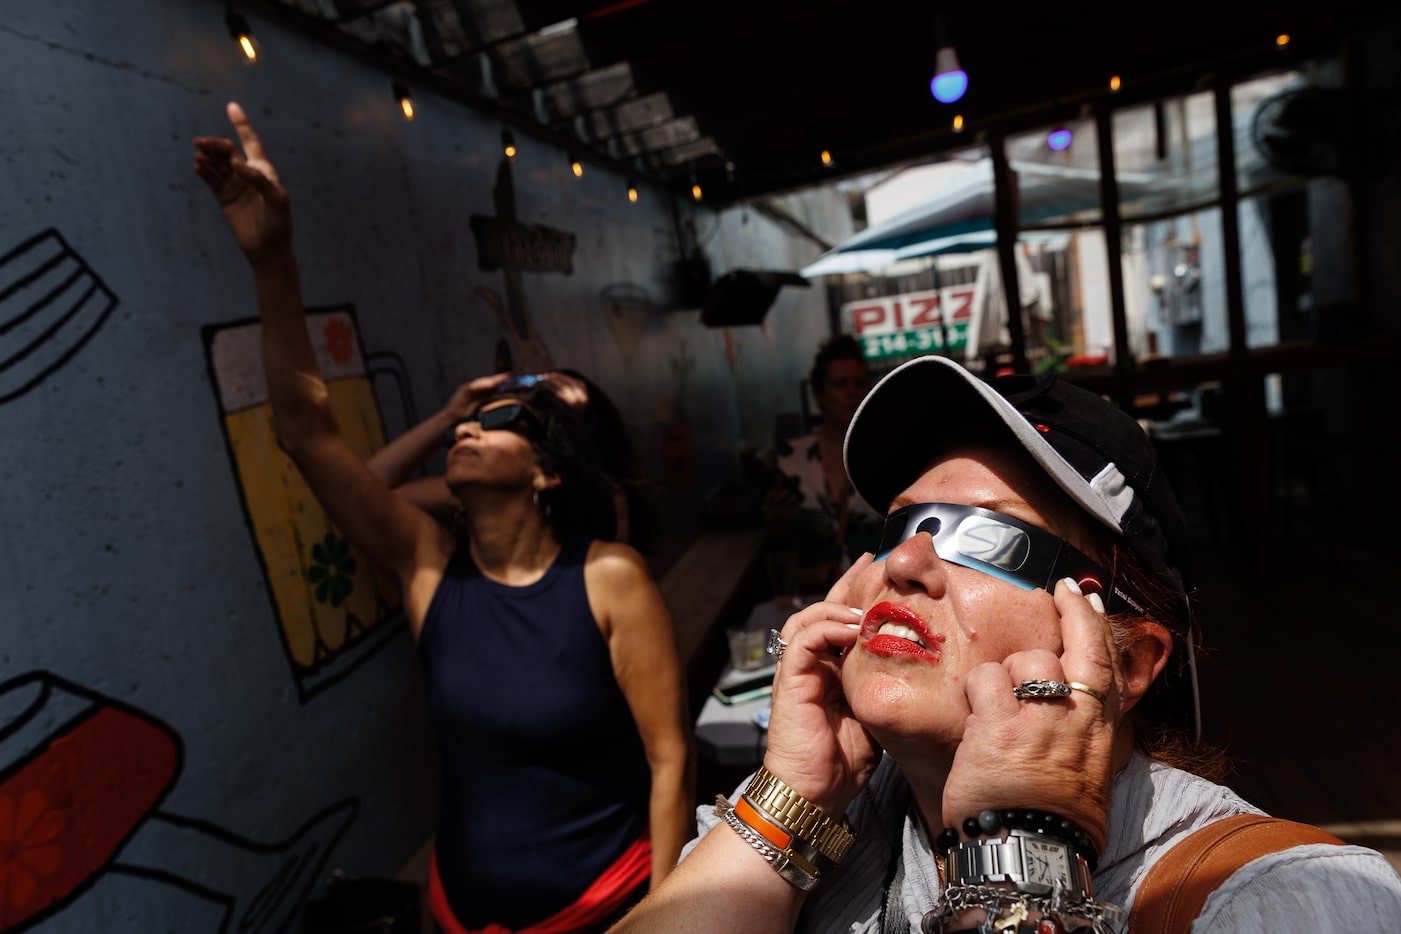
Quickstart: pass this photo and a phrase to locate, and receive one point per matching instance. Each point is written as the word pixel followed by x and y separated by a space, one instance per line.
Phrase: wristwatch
pixel 1034 863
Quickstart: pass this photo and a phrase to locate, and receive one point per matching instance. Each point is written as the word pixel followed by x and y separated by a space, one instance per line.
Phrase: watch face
pixel 1047 863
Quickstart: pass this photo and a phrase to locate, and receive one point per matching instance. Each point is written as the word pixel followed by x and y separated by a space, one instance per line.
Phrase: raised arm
pixel 391 533
pixel 647 665
pixel 395 463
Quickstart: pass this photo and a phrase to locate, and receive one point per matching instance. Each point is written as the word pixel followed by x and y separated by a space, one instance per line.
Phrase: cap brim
pixel 932 406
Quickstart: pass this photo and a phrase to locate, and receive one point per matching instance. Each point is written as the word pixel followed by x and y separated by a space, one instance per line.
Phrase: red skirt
pixel 600 900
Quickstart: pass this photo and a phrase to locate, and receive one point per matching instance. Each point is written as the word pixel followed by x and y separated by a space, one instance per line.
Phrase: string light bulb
pixel 695 189
pixel 827 160
pixel 1282 40
pixel 1114 84
pixel 576 166
pixel 401 94
pixel 958 123
pixel 1059 138
pixel 632 192
pixel 508 144
pixel 950 81
pixel 242 34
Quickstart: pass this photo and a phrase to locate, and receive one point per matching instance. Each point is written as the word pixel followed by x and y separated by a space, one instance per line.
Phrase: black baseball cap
pixel 1093 450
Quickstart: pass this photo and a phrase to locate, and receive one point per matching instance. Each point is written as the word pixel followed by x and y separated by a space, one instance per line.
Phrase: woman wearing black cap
pixel 961 739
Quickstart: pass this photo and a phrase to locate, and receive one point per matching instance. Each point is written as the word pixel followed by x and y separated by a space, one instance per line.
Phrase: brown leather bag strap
pixel 1176 887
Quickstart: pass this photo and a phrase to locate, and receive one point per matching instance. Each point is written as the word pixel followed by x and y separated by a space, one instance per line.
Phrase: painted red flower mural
pixel 339 340
pixel 66 810
pixel 29 851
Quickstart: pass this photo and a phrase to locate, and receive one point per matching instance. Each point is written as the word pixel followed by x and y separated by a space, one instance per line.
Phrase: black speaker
pixel 743 296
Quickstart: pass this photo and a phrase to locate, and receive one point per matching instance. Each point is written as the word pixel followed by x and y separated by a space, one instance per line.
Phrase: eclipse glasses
pixel 524 381
pixel 513 416
pixel 1006 548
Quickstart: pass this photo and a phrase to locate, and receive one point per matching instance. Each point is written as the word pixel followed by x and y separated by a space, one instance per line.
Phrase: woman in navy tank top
pixel 554 679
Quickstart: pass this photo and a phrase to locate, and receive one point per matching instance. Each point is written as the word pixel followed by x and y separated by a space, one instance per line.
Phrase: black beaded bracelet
pixel 1044 926
pixel 989 823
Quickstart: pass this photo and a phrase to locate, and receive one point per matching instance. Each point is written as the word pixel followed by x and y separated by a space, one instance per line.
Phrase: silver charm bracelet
pixel 1102 917
pixel 791 872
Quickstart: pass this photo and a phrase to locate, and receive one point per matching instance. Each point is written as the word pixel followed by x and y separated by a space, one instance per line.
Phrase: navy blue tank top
pixel 545 780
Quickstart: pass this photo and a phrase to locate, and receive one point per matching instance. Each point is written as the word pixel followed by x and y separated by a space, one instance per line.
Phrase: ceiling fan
pixel 1304 131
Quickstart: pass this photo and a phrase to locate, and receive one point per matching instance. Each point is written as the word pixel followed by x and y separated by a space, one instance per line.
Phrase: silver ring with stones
pixel 1041 689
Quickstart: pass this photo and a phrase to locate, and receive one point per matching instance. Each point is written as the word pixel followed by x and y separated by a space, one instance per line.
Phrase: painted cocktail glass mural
pixel 625 308
pixel 51 304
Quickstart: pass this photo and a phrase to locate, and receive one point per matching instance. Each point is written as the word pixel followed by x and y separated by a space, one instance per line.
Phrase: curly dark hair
pixel 582 502
pixel 618 456
pixel 838 347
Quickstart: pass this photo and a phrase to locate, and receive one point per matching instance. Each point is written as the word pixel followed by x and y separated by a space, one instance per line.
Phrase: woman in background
pixel 553 675
pixel 810 507
pixel 397 461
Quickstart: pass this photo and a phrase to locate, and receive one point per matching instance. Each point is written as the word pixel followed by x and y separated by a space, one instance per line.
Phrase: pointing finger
pixel 252 146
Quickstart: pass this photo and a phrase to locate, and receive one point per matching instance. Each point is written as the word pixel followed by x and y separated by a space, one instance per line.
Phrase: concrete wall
pixel 190 735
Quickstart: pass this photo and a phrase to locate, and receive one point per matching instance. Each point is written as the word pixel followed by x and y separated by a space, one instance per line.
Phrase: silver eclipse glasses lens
pixel 1007 548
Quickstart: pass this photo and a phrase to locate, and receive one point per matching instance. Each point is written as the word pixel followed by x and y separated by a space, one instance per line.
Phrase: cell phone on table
pixel 749 688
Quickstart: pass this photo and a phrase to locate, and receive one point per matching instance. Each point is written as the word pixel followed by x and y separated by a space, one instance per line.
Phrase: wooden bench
pixel 706 587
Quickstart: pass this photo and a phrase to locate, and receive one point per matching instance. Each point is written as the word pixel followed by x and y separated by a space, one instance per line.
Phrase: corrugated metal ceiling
pixel 743 95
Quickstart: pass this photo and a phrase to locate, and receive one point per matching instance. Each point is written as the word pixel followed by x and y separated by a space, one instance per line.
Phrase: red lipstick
pixel 891 646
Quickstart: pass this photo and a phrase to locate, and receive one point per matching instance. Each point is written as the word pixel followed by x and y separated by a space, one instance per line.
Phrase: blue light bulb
pixel 949 86
pixel 1058 139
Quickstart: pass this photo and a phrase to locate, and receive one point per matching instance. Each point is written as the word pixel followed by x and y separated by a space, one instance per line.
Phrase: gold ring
pixel 1086 689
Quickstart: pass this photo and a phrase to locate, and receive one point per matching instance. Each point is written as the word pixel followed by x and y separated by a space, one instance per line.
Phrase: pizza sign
pixel 912 323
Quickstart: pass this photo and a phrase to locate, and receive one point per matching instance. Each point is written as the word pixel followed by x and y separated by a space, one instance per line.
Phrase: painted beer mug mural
pixel 330 603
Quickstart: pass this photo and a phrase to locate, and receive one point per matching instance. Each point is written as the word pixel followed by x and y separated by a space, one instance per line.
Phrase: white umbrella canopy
pixel 966 200
pixel 838 262
pixel 959 218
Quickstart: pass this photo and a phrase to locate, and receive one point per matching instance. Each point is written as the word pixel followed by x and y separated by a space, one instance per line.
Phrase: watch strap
pixel 807 857
pixel 987 861
pixel 780 804
pixel 788 869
